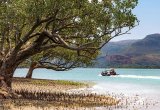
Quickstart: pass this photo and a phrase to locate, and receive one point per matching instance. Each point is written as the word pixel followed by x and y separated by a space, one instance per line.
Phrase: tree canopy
pixel 83 25
pixel 78 27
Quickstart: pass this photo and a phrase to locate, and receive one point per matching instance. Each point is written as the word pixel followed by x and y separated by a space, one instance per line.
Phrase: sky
pixel 148 13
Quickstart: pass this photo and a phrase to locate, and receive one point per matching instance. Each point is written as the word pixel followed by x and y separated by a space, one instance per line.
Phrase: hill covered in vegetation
pixel 142 53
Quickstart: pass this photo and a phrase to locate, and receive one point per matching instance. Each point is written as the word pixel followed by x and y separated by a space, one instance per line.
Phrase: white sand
pixel 132 97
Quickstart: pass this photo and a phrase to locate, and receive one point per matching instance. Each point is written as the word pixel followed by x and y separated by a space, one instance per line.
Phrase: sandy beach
pixel 71 95
pixel 38 94
pixel 126 99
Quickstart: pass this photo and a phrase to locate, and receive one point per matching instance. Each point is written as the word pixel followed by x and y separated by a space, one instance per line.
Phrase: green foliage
pixel 76 28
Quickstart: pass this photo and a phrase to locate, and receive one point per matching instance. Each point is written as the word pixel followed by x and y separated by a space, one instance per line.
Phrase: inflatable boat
pixel 109 73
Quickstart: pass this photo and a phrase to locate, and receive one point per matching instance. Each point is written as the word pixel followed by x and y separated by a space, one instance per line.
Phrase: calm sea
pixel 130 81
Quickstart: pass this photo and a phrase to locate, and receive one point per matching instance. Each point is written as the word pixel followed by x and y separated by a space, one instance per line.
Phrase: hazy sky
pixel 148 12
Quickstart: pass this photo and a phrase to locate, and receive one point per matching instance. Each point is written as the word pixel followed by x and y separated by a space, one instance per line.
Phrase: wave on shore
pixel 138 76
pixel 135 76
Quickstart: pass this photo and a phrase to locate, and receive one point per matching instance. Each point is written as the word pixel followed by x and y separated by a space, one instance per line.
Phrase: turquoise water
pixel 129 80
pixel 136 76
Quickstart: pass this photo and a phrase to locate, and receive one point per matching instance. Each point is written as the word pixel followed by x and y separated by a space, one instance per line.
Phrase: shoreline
pixel 71 95
pixel 130 100
pixel 127 101
pixel 56 94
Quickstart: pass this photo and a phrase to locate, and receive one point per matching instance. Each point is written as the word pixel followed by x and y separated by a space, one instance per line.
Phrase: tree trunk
pixel 6 75
pixel 31 68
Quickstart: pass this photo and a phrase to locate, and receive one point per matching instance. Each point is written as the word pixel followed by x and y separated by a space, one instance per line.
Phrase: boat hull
pixel 106 74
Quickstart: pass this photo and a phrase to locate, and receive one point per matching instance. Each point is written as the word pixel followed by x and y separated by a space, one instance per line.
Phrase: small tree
pixel 31 27
pixel 59 60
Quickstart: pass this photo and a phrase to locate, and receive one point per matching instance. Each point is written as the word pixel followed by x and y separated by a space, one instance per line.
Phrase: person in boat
pixel 109 72
pixel 105 73
pixel 112 72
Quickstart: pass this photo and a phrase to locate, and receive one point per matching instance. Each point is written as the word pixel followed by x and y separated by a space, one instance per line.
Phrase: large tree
pixel 29 27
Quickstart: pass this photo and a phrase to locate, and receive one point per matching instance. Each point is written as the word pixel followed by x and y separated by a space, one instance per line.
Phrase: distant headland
pixel 141 53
